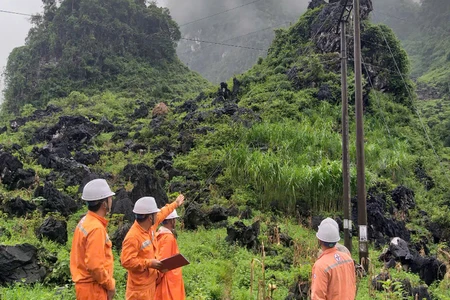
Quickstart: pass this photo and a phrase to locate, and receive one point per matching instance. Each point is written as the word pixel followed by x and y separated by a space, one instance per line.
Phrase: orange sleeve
pixel 165 211
pixel 129 257
pixel 319 284
pixel 95 258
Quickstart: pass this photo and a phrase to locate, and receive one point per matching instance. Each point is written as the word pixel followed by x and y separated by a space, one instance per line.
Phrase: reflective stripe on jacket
pixel 171 285
pixel 138 249
pixel 333 276
pixel 91 258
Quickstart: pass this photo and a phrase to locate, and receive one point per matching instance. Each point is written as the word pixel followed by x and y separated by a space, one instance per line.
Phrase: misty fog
pixel 247 23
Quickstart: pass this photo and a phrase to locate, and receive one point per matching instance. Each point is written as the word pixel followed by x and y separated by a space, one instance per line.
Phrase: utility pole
pixel 362 205
pixel 345 155
pixel 345 14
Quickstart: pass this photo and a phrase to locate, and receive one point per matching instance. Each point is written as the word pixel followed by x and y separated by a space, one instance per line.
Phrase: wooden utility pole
pixel 362 205
pixel 345 143
pixel 347 6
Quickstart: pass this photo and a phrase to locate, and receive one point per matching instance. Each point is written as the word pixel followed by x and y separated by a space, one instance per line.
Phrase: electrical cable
pixel 276 93
pixel 414 107
pixel 14 13
pixel 221 44
pixel 239 36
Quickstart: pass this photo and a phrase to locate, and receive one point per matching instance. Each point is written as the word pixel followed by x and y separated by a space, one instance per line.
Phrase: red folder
pixel 173 262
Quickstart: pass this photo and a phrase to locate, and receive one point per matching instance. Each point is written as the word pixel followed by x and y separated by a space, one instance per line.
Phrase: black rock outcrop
pixel 145 182
pixel 119 235
pixel 12 174
pixel 18 207
pixel 54 230
pixel 55 201
pixel 429 269
pixel 20 264
pixel 246 236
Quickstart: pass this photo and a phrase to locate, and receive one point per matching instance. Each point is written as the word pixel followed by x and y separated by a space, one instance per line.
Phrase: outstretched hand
pixel 180 199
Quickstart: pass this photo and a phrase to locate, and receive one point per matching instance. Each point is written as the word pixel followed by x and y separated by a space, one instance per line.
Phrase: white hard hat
pixel 96 189
pixel 328 232
pixel 331 221
pixel 145 206
pixel 173 215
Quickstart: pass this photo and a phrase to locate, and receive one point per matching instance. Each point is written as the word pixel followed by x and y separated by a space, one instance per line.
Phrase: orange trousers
pixel 90 291
pixel 141 294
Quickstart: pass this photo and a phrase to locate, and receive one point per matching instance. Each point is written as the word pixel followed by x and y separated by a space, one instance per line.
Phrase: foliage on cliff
pixel 93 46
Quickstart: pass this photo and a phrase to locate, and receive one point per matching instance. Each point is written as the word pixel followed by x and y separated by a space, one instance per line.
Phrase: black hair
pixel 94 206
pixel 141 218
pixel 328 245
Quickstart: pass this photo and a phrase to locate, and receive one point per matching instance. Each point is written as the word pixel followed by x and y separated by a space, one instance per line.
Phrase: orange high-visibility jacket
pixel 91 258
pixel 138 249
pixel 333 276
pixel 171 285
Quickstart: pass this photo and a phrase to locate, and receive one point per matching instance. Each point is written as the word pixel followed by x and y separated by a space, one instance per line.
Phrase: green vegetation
pixel 278 152
pixel 423 29
pixel 93 46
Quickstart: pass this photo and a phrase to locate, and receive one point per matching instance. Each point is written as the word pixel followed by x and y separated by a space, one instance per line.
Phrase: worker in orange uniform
pixel 139 248
pixel 170 286
pixel 333 274
pixel 91 258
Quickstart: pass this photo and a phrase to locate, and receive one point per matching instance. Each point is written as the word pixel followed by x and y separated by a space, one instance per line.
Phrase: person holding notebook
pixel 139 248
pixel 170 285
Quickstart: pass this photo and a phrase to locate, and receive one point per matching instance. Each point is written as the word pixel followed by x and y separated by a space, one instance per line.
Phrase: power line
pixel 276 93
pixel 219 13
pixel 239 36
pixel 414 107
pixel 14 13
pixel 222 44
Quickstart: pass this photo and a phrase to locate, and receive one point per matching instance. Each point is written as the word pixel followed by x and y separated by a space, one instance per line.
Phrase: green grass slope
pixel 273 144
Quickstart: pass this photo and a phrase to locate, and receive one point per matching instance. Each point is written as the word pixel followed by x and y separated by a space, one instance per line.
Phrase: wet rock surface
pixel 194 217
pixel 18 207
pixel 53 230
pixel 55 201
pixel 38 114
pixel 87 158
pixel 71 132
pixel 403 198
pixel 145 182
pixel 140 112
pixel 247 213
pixel 119 235
pixel 429 269
pixel 405 286
pixel 217 214
pixel 123 205
pixel 382 224
pixel 245 236
pixel 19 263
pixel 12 174
pixel 422 175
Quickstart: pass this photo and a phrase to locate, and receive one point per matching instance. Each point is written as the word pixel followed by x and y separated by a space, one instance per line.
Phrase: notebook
pixel 173 262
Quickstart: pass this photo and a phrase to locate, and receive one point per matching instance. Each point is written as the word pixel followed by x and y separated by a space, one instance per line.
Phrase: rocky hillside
pixel 267 141
pixel 423 30
pixel 121 46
